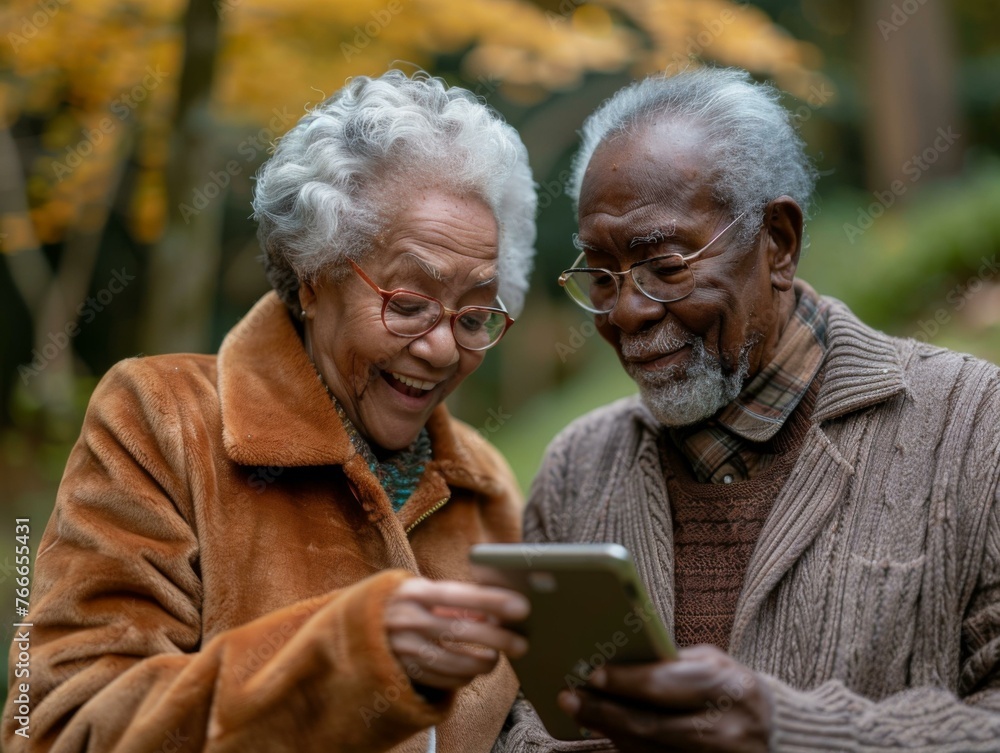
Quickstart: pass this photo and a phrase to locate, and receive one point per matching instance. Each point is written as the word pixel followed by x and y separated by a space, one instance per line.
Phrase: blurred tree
pixel 915 126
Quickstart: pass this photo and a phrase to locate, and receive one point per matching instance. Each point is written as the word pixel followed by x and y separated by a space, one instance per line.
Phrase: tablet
pixel 588 608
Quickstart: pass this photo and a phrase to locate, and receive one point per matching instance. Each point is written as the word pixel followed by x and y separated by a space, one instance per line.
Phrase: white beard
pixel 683 394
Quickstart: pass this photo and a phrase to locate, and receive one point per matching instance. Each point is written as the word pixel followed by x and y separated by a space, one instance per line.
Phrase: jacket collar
pixel 862 367
pixel 276 411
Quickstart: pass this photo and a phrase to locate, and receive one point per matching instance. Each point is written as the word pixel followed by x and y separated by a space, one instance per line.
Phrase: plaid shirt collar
pixel 721 449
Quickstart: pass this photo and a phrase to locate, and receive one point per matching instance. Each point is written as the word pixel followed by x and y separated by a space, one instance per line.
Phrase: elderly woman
pixel 265 550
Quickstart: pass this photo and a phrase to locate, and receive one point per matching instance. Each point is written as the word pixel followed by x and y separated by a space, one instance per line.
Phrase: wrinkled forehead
pixel 661 161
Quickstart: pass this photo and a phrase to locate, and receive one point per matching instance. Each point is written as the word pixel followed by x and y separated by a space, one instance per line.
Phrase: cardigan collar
pixel 862 367
pixel 276 411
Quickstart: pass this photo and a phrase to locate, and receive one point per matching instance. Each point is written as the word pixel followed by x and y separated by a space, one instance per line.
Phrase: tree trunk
pixel 913 132
pixel 184 265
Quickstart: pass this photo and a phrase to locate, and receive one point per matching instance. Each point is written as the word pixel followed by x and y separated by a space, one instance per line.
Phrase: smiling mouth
pixel 647 362
pixel 408 386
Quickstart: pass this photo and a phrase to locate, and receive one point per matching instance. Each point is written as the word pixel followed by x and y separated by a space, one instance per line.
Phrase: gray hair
pixel 752 141
pixel 322 197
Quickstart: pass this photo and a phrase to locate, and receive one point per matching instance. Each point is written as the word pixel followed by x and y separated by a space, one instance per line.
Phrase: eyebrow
pixel 438 275
pixel 657 235
pixel 652 237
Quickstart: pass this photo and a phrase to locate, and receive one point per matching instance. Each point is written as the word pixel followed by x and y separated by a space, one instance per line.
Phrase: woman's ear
pixel 783 222
pixel 307 299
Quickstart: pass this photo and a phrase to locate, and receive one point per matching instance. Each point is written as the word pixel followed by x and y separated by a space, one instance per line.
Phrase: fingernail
pixel 520 646
pixel 598 678
pixel 516 608
pixel 569 702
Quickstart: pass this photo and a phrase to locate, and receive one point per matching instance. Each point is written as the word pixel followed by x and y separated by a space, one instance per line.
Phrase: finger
pixel 500 602
pixel 689 682
pixel 483 634
pixel 411 617
pixel 457 660
pixel 629 726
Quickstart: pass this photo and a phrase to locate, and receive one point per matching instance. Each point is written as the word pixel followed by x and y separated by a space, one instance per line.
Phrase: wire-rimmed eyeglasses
pixel 665 278
pixel 410 314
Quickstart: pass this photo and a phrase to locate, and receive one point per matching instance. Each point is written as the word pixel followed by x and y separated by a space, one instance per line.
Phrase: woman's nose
pixel 437 347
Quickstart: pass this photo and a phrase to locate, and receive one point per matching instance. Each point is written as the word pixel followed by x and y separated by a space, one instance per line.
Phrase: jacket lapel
pixel 275 409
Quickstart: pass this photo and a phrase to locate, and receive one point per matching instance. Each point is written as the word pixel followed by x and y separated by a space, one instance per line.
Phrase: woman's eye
pixel 473 321
pixel 408 306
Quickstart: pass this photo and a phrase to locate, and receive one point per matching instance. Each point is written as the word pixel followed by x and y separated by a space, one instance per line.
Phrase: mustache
pixel 665 338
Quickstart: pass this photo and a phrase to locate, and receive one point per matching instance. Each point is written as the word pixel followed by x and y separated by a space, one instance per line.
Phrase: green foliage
pixel 922 269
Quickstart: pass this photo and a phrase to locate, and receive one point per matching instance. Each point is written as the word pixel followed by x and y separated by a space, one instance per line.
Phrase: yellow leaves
pixel 104 74
pixel 148 207
pixel 17 233
pixel 684 32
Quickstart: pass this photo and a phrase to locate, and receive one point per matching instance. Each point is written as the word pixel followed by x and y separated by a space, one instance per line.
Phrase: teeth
pixel 413 382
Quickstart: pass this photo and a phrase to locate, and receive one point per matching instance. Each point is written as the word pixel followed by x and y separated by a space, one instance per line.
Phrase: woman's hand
pixel 703 701
pixel 444 633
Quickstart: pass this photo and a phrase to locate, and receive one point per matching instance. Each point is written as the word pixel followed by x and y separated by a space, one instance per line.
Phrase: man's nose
pixel 634 311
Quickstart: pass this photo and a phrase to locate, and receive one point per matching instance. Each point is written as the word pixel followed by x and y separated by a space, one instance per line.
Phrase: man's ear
pixel 783 223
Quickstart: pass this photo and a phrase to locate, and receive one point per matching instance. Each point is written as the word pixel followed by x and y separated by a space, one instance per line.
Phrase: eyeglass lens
pixel 474 328
pixel 664 279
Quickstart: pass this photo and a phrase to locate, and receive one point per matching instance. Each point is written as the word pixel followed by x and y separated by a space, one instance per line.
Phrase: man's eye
pixel 668 267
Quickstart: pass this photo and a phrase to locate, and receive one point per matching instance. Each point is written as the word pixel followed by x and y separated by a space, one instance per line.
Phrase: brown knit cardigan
pixel 871 604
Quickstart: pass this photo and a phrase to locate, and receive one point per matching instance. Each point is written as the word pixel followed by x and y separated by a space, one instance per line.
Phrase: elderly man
pixel 812 505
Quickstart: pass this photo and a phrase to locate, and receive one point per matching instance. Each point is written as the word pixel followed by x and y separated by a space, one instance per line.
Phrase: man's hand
pixel 444 633
pixel 702 701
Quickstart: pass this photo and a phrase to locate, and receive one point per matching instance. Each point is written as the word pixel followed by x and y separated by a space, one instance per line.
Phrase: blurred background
pixel 130 132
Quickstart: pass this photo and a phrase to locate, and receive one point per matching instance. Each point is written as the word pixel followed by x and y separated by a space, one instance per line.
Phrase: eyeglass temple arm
pixel 716 237
pixel 365 277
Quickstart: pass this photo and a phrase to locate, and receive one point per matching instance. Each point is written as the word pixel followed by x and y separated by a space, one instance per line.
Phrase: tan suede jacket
pixel 214 574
